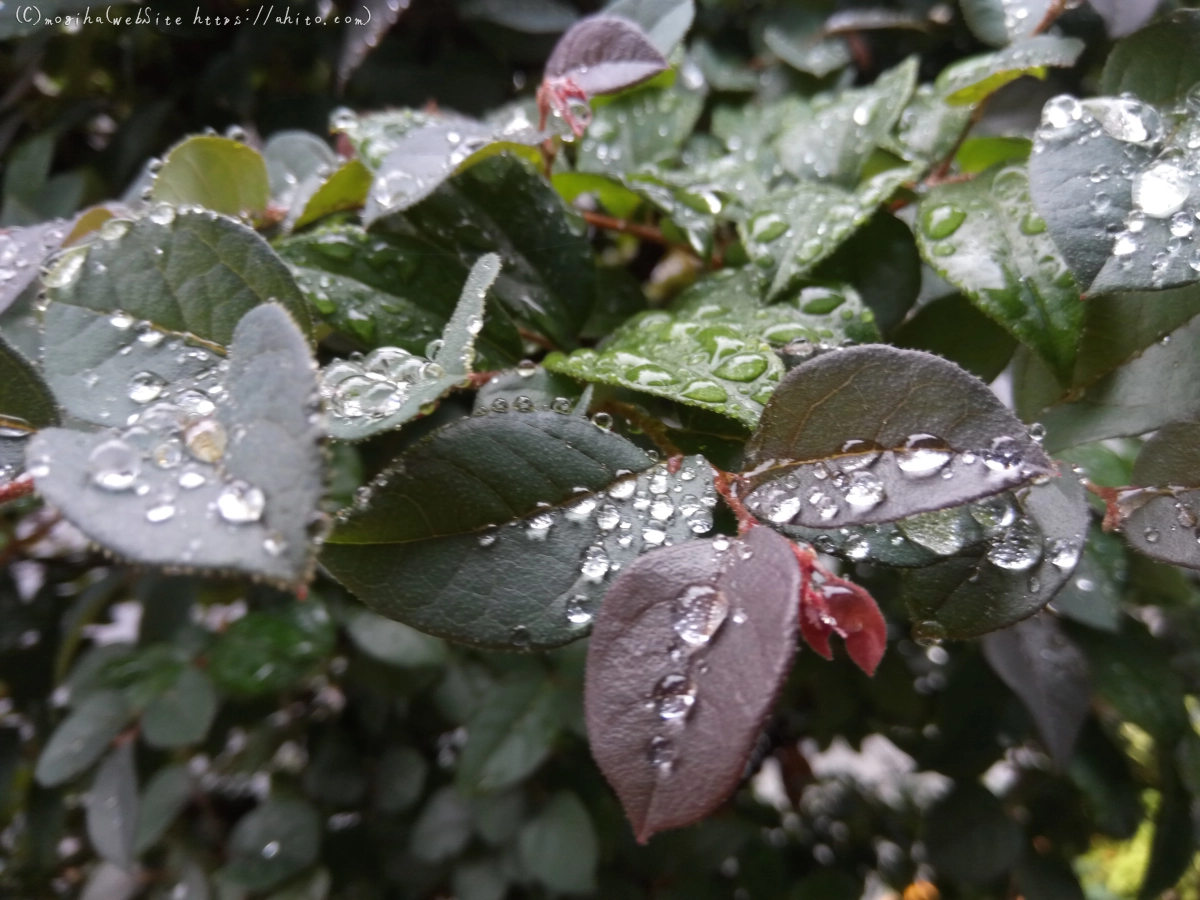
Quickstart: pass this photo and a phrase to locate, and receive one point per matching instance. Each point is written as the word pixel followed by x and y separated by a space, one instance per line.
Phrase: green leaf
pixel 183 713
pixel 292 159
pixel 970 80
pixel 495 566
pixel 23 251
pixel 610 192
pixel 273 842
pixel 82 737
pixel 217 173
pixel 797 36
pixel 26 404
pixel 979 153
pixel 1160 519
pixel 375 135
pixel 1093 593
pixel 793 229
pixel 245 499
pixel 643 126
pixel 867 435
pixel 833 139
pixel 392 386
pixel 954 329
pixel 504 206
pixel 1113 202
pixel 665 22
pixel 388 290
pixel 394 643
pixel 1049 673
pixel 970 837
pixel 112 808
pixel 714 348
pixel 984 237
pixel 511 733
pixel 483 879
pixel 1000 22
pixel 559 847
pixel 442 829
pixel 1157 64
pixel 930 128
pixel 1021 568
pixel 123 305
pixel 163 799
pixel 345 189
pixel 399 779
pixel 1173 847
pixel 882 263
pixel 269 652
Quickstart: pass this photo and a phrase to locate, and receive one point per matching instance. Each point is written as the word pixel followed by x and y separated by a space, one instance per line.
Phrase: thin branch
pixel 21 486
pixel 645 232
pixel 1057 8
pixel 729 486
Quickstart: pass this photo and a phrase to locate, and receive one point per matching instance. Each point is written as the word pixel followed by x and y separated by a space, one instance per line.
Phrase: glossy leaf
pixel 605 53
pixel 23 251
pixel 26 404
pixel 154 296
pixel 1114 204
pixel 1157 63
pixel 183 713
pixel 388 290
pixel 984 237
pixel 293 158
pixel 345 189
pixel 217 173
pixel 665 22
pixel 929 127
pixel 798 38
pixel 112 808
pixel 244 499
pixel 501 467
pixel 273 842
pixel 1158 518
pixel 1000 22
pixel 356 417
pixel 867 434
pixel 1031 553
pixel 971 80
pixel 835 136
pixel 271 651
pixel 81 738
pixel 690 648
pixel 953 328
pixel 511 733
pixel 714 348
pixel 882 262
pixel 1050 675
pixel 793 229
pixel 559 847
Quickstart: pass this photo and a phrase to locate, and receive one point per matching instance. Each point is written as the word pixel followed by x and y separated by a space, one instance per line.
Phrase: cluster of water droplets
pixel 23 250
pixel 375 386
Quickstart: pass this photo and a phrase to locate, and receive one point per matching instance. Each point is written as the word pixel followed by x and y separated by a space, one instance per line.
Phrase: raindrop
pixel 240 503
pixel 661 754
pixel 145 387
pixel 160 512
pixel 942 221
pixel 393 363
pixel 499 405
pixel 1018 548
pixel 1151 536
pixel 602 420
pixel 1161 190
pixel 538 526
pixel 579 610
pixel 114 465
pixel 701 609
pixel 1063 554
pixel 674 696
pixel 742 367
pixel 206 440
pixel 162 214
pixel 929 633
pixel 857 455
pixel 1128 120
pixel 191 478
pixel 270 850
pixel 523 404
pixel 865 491
pixel 1003 456
pixel 168 454
pixel 923 455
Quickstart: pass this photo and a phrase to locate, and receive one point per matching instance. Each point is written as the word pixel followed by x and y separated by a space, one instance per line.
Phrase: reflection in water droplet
pixel 240 503
pixel 271 850
pixel 674 696
pixel 1018 548
pixel 539 526
pixel 579 610
pixel 1161 190
pixel 929 633
pixel 160 512
pixel 114 465
pixel 1063 554
pixel 206 440
pixel 942 221
pixel 700 611
pixel 145 387
pixel 865 491
pixel 923 455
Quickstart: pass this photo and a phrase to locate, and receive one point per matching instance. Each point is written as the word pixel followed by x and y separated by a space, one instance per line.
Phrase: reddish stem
pixel 727 485
pixel 1112 514
pixel 21 486
pixel 611 223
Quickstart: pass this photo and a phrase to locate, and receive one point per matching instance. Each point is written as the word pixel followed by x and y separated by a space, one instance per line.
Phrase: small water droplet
pixel 929 633
pixel 674 697
pixel 700 612
pixel 115 465
pixel 145 387
pixel 206 440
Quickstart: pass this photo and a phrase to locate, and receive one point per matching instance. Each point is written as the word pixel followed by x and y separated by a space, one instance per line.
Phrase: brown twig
pixel 21 486
pixel 645 232
pixel 18 545
pixel 534 338
pixel 1056 9
pixel 728 485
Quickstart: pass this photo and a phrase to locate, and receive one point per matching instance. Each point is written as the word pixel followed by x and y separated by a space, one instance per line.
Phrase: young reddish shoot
pixel 832 605
pixel 557 94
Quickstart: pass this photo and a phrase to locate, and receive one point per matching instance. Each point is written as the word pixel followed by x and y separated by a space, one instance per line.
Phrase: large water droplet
pixel 394 364
pixel 1064 554
pixel 865 491
pixel 929 633
pixel 742 367
pixel 206 440
pixel 145 387
pixel 700 611
pixel 942 221
pixel 115 465
pixel 539 526
pixel 857 454
pixel 1128 120
pixel 1161 190
pixel 1018 548
pixel 674 696
pixel 579 610
pixel 923 455
pixel 240 503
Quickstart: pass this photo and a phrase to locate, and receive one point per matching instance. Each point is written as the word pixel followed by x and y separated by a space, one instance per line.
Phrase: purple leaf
pixel 603 54
pixel 687 655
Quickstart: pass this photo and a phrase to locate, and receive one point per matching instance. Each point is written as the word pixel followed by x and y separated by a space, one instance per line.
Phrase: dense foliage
pixel 431 501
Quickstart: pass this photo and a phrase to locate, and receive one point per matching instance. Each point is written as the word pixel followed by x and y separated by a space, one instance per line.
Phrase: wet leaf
pixel 559 847
pixel 425 157
pixel 112 808
pixel 293 158
pixel 160 295
pixel 836 606
pixel 605 53
pixel 1031 552
pixel 980 153
pixel 929 127
pixel 984 237
pixel 1050 675
pixel 833 138
pixel 495 568
pixel 23 251
pixel 528 16
pixel 511 733
pixel 381 395
pixel 271 843
pixel 1000 22
pixel 345 189
pixel 183 713
pixel 793 229
pixel 882 262
pixel 1157 64
pixel 243 499
pixel 643 127
pixel 969 835
pixel 953 328
pixel 366 33
pixel 266 652
pixel 166 794
pixel 217 173
pixel 867 434
pixel 549 277
pixel 26 404
pixel 690 648
pixel 1160 519
pixel 540 387
pixel 971 80
pixel 1093 593
pixel 82 737
pixel 797 36
pixel 715 348
pixel 1112 183
pixel 665 22
pixel 394 643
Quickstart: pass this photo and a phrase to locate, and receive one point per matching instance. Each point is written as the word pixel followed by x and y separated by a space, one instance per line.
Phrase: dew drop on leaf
pixel 923 455
pixel 240 503
pixel 929 633
pixel 115 465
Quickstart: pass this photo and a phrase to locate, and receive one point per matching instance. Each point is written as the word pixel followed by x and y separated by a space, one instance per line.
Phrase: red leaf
pixel 689 650
pixel 837 606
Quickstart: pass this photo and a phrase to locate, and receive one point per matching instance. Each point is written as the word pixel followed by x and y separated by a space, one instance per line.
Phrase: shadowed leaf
pixel 112 808
pixel 1160 519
